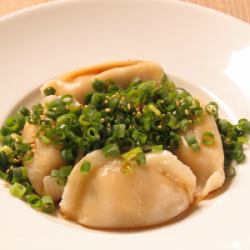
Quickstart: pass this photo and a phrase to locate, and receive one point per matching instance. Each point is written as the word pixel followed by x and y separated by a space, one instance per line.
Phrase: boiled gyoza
pixel 45 158
pixel 208 163
pixel 107 198
pixel 78 83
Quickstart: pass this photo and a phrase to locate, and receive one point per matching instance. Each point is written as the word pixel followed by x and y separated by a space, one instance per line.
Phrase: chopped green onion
pixel 111 150
pixel 61 174
pixel 6 149
pixel 92 134
pixel 34 200
pixel 49 91
pixel 97 99
pixel 208 138
pixel 24 111
pixel 28 156
pixel 19 174
pixel 156 148
pixel 190 139
pixel 4 161
pixel 134 96
pixel 85 167
pixel 127 169
pixel 47 204
pixel 68 154
pixel 139 137
pixel 239 156
pixel 195 147
pixel 98 85
pixel 132 154
pixel 141 159
pixel 155 110
pixel 223 126
pixel 45 139
pixel 192 142
pixel 245 125
pixel 14 123
pixel 17 190
pixel 67 119
pixel 65 171
pixel 185 124
pixel 87 98
pixel 112 88
pixel 119 130
pixel 212 109
pixel 56 108
pixel 173 122
pixel 113 103
pixel 243 139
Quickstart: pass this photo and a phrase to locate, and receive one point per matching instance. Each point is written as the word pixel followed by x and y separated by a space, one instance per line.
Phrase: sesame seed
pixel 107 110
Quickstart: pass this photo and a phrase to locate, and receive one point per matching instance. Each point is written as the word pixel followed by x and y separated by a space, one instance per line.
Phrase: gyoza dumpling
pixel 45 159
pixel 107 198
pixel 208 163
pixel 79 82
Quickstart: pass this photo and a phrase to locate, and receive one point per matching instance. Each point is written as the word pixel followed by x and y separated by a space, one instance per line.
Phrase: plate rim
pixel 55 3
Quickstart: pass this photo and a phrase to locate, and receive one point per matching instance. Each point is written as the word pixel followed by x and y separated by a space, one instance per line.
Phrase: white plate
pixel 200 46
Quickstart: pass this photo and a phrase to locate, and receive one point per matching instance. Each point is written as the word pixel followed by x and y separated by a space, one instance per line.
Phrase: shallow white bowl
pixel 206 49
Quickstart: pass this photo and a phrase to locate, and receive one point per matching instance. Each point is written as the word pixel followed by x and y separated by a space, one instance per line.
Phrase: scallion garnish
pixel 192 142
pixel 98 85
pixel 157 148
pixel 141 159
pixel 111 150
pixel 61 174
pixel 19 174
pixel 49 91
pixel 127 169
pixel 85 167
pixel 208 138
pixel 133 153
pixel 6 149
pixel 18 190
pixel 34 200
pixel 212 109
pixel 47 204
pixel 190 139
pixel 155 110
pixel 195 147
pixel 119 130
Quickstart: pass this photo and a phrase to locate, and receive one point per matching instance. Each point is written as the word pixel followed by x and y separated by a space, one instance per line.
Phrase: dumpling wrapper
pixel 45 159
pixel 79 82
pixel 208 163
pixel 107 198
